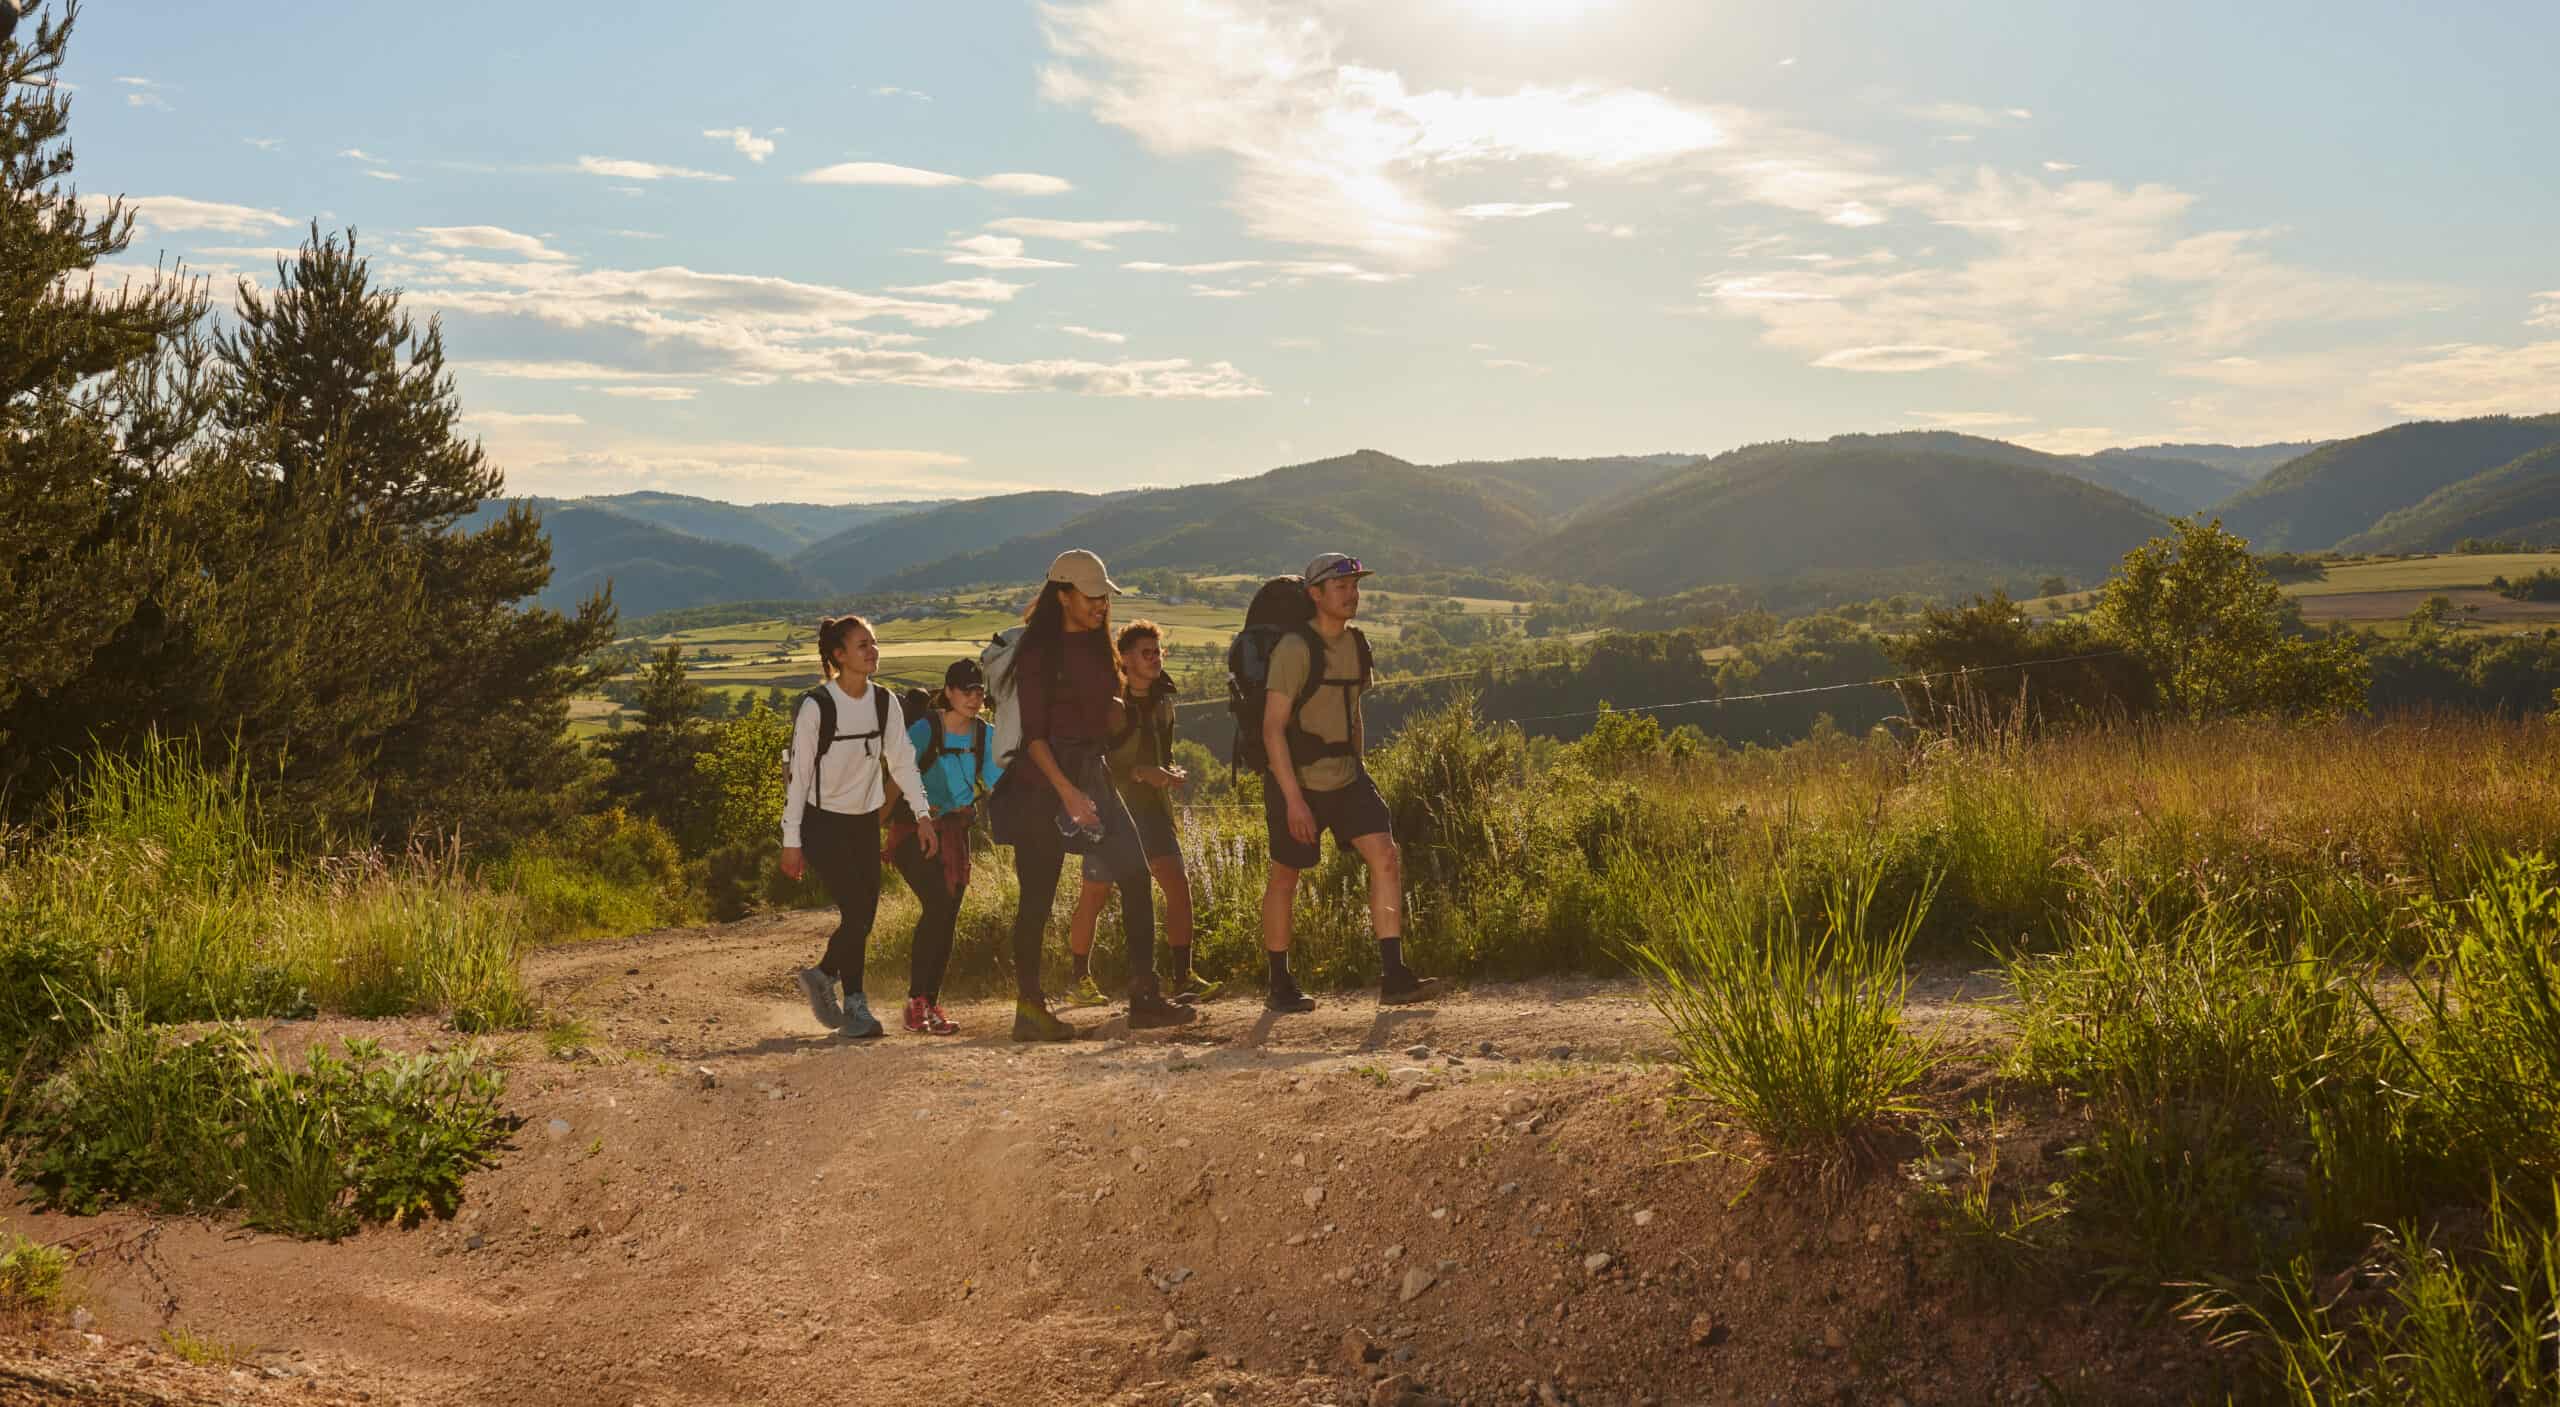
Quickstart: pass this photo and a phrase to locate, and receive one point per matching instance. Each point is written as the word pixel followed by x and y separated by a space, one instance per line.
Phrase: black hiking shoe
pixel 1148 1011
pixel 1400 988
pixel 1032 1021
pixel 1288 1000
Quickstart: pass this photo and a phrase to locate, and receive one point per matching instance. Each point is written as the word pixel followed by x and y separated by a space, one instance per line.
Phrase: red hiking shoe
pixel 935 1023
pixel 915 1015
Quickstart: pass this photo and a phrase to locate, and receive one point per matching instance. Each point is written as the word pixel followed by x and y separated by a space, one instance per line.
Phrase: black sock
pixel 1280 978
pixel 1391 955
pixel 1182 964
pixel 1084 966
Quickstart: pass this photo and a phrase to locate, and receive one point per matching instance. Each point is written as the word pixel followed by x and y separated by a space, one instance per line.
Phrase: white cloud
pixel 636 234
pixel 1966 419
pixel 1089 234
pixel 653 326
pixel 1027 183
pixel 490 239
pixel 553 371
pixel 749 145
pixel 171 214
pixel 2087 357
pixel 2058 167
pixel 651 393
pixel 902 93
pixel 1612 231
pixel 1094 334
pixel 146 92
pixel 1853 216
pixel 1512 210
pixel 511 420
pixel 1898 359
pixel 1966 114
pixel 977 290
pixel 2545 311
pixel 882 173
pixel 642 170
pixel 264 143
pixel 746 472
pixel 360 154
pixel 1210 290
pixel 2466 379
pixel 2087 260
pixel 1326 152
pixel 2077 439
pixel 996 252
pixel 1513 364
pixel 1295 269
pixel 386 175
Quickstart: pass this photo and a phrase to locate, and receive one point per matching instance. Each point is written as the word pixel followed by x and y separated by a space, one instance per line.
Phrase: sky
pixel 823 251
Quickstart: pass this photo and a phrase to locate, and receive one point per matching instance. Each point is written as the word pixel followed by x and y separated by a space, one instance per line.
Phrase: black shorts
pixel 1153 816
pixel 1350 812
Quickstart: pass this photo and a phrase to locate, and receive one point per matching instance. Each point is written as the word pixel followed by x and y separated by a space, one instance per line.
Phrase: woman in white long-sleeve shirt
pixel 831 809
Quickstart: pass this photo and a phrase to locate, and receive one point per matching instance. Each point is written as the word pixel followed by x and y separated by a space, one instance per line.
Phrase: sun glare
pixel 1530 12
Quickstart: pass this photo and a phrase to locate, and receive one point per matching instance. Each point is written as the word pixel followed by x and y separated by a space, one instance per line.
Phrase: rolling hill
pixel 2173 486
pixel 652 568
pixel 2517 501
pixel 1875 502
pixel 1557 489
pixel 2250 462
pixel 2343 489
pixel 778 528
pixel 1373 505
pixel 865 557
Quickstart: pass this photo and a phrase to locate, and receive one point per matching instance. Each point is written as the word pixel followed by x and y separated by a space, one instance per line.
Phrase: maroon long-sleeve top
pixel 1077 705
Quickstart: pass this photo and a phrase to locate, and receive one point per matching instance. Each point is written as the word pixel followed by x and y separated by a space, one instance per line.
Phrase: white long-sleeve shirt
pixel 847 779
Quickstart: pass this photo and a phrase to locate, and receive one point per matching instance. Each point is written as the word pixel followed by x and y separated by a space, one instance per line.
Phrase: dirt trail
pixel 1184 1218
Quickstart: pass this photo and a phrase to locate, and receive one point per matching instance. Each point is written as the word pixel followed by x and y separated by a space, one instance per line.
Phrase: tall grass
pixel 1790 1018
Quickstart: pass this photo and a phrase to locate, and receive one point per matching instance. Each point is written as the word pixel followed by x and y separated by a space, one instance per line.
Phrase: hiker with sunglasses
pixel 1060 679
pixel 1140 761
pixel 1317 781
pixel 955 753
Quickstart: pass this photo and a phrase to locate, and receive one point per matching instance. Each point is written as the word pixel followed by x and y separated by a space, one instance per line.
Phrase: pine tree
pixel 76 531
pixel 654 761
pixel 355 417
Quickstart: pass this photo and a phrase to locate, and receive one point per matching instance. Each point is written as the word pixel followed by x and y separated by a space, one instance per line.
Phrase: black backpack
pixel 827 733
pixel 1279 610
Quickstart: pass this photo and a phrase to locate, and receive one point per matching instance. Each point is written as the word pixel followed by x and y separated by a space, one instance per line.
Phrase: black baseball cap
pixel 964 673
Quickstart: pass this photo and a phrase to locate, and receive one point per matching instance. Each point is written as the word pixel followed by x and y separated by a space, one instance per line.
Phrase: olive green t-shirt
pixel 1150 731
pixel 1332 715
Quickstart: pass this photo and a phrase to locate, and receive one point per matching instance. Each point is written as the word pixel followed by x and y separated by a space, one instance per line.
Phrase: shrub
pixel 214 1122
pixel 1790 1019
pixel 32 1274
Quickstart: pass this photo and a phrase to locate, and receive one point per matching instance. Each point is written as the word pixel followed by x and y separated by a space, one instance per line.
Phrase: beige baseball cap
pixel 1083 571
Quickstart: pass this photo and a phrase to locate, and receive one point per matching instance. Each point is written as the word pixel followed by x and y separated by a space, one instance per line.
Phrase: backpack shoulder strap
pixel 880 706
pixel 826 701
pixel 979 732
pixel 1368 661
pixel 1315 667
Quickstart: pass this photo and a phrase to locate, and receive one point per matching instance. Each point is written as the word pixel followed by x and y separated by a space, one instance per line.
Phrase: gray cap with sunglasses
pixel 1329 565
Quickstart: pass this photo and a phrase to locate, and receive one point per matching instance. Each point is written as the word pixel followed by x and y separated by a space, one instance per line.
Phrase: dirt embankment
pixel 1486 1200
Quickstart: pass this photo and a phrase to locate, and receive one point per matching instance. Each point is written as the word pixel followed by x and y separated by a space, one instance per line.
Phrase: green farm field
pixel 2379 593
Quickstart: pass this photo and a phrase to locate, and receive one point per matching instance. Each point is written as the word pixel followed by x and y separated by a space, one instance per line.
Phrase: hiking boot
pixel 859 1023
pixel 1147 1012
pixel 1033 1021
pixel 937 1024
pixel 1288 1000
pixel 915 1015
pixel 820 989
pixel 1193 989
pixel 1400 988
pixel 1086 992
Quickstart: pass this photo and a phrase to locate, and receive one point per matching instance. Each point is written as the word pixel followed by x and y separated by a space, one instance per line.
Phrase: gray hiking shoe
pixel 859 1024
pixel 820 989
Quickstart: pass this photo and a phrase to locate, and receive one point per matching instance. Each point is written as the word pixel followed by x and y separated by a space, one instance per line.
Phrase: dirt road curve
pixel 1196 1218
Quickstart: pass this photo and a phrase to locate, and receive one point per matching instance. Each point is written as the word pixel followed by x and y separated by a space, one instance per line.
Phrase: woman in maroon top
pixel 1065 681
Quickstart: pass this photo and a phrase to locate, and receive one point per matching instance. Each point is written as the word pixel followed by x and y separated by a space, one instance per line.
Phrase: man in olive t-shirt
pixel 1318 783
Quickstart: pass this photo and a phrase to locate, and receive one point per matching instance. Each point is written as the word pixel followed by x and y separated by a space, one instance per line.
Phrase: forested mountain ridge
pixel 778 528
pixel 868 557
pixel 2342 489
pixel 2516 501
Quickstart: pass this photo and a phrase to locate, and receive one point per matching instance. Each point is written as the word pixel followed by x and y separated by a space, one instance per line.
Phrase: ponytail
pixel 831 633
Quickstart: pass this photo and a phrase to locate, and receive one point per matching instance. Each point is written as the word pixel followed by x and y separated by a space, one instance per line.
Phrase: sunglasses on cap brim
pixel 1348 566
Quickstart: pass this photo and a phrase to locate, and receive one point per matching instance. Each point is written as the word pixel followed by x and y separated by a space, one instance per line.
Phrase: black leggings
pixel 931 955
pixel 1037 859
pixel 845 851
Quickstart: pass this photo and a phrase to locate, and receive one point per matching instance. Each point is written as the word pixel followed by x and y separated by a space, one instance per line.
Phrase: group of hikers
pixel 1077 759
